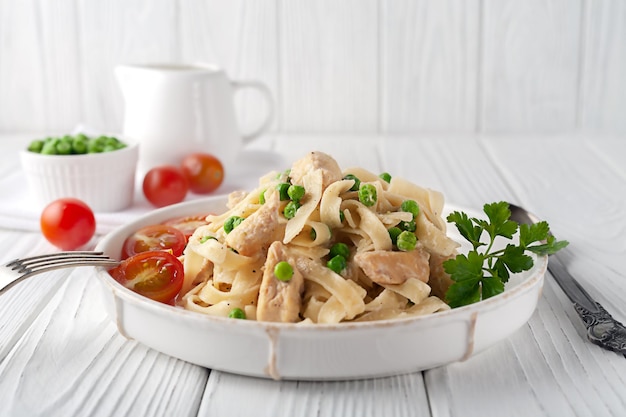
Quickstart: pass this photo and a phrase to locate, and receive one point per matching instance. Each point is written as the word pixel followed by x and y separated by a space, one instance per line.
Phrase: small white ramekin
pixel 104 181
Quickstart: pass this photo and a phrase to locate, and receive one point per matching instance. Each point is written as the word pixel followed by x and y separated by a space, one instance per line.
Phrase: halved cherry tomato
pixel 157 275
pixel 187 224
pixel 155 237
pixel 204 172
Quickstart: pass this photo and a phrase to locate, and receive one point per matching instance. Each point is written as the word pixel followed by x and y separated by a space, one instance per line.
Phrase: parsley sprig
pixel 483 272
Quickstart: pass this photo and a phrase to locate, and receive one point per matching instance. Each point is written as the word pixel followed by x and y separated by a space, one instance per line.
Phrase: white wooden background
pixel 358 66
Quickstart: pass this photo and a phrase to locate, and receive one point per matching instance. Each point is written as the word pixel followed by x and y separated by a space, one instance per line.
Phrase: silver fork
pixel 602 329
pixel 19 269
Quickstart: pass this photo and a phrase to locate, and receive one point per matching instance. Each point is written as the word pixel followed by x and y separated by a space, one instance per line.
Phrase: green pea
pixel 368 194
pixel 406 241
pixel 283 271
pixel 410 206
pixel 337 264
pixel 112 143
pixel 290 209
pixel 64 146
pixel 357 182
pixel 50 146
pixel 295 192
pixel 313 234
pixel 340 249
pixel 342 216
pixel 283 188
pixel 79 145
pixel 393 234
pixel 36 146
pixel 385 176
pixel 262 197
pixel 231 223
pixel 237 313
pixel 95 146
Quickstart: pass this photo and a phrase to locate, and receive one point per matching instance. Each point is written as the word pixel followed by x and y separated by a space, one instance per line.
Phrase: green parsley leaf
pixel 465 267
pixel 499 223
pixel 551 246
pixel 466 228
pixel 463 293
pixel 492 286
pixel 531 233
pixel 482 274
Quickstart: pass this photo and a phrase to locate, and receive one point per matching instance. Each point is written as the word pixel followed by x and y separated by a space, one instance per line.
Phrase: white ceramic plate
pixel 314 352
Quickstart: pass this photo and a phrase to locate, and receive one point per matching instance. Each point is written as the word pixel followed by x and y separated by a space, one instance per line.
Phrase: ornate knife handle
pixel 602 329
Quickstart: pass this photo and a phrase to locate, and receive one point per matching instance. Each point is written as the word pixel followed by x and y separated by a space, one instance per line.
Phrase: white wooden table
pixel 61 356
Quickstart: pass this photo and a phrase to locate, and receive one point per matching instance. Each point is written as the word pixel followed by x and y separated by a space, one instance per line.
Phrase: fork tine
pixel 50 264
pixel 56 255
pixel 66 264
pixel 19 269
pixel 61 256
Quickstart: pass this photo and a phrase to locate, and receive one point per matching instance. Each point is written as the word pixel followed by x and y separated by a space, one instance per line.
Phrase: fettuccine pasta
pixel 310 245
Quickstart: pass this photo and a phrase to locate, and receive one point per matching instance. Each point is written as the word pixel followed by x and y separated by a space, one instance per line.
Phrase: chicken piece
pixel 280 301
pixel 439 281
pixel 331 171
pixel 387 267
pixel 255 234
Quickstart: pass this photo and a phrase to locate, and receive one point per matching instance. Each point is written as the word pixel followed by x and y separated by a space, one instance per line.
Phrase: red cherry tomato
pixel 67 223
pixel 187 224
pixel 153 238
pixel 155 274
pixel 165 185
pixel 204 172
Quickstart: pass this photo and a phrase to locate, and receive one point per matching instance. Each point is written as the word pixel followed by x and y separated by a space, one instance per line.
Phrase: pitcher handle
pixel 265 91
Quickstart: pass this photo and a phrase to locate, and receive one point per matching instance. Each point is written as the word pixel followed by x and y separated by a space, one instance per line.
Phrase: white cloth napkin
pixel 18 209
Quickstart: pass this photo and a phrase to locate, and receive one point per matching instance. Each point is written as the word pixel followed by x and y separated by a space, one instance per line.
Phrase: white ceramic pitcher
pixel 175 110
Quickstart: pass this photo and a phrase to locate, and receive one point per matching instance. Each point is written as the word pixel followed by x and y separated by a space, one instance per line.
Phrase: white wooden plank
pixel 429 65
pixel 38 290
pixel 72 361
pixel 241 37
pixel 119 32
pixel 450 164
pixel 328 63
pixel 40 63
pixel 603 88
pixel 590 194
pixel 402 395
pixel 530 59
pixel 348 150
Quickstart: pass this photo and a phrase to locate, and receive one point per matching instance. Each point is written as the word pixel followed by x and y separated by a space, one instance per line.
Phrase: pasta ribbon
pixel 310 264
